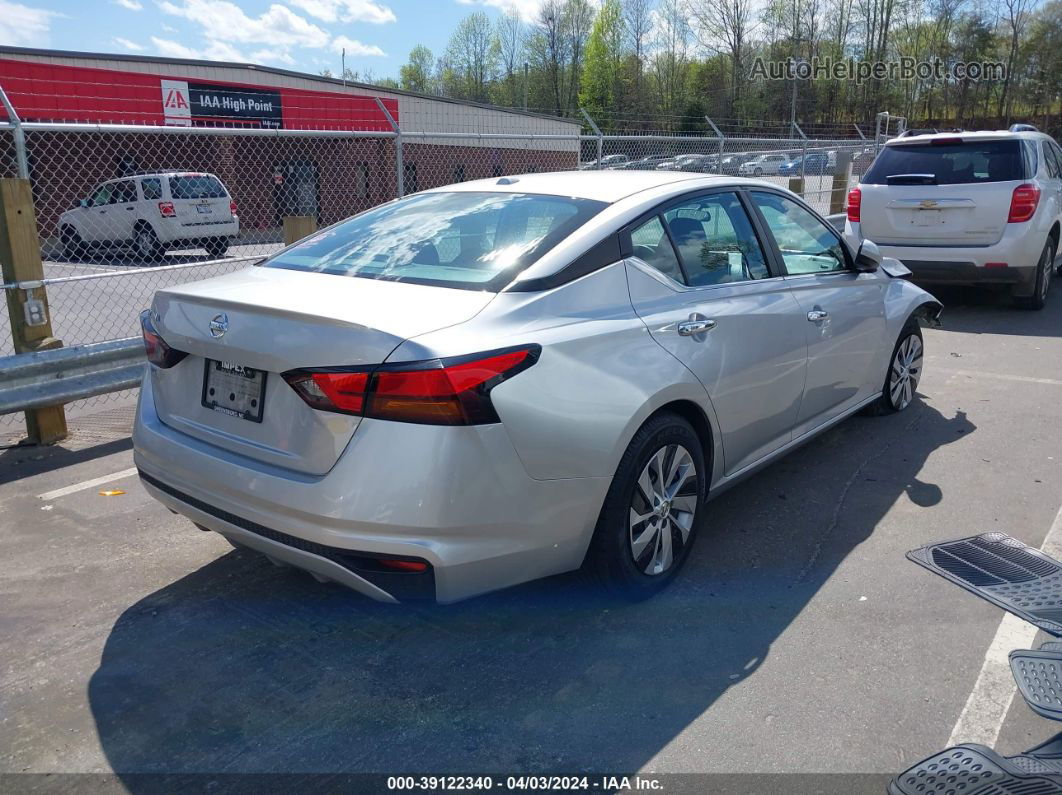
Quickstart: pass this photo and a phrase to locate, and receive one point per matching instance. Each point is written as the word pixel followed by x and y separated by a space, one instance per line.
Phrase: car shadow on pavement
pixel 981 310
pixel 242 667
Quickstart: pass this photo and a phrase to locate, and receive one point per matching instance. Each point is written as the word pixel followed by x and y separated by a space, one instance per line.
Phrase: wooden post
pixel 20 260
pixel 842 175
pixel 296 227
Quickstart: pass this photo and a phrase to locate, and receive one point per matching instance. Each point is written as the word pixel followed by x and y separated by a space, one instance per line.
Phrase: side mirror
pixel 868 258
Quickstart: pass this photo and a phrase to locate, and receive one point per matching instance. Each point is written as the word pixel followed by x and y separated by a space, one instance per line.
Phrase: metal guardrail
pixel 61 375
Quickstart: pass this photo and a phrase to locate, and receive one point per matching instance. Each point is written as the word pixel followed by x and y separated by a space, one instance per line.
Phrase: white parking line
pixel 982 718
pixel 1024 379
pixel 86 484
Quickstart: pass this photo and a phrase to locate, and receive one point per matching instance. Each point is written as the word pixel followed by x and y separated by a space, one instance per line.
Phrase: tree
pixel 509 35
pixel 417 74
pixel 726 26
pixel 471 58
pixel 600 87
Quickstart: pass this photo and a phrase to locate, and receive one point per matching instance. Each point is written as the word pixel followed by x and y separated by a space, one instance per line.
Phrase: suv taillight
pixel 1023 203
pixel 166 210
pixel 158 352
pixel 452 391
pixel 855 197
pixel 232 206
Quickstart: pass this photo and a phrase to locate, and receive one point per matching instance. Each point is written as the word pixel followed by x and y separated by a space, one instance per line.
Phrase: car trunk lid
pixel 274 320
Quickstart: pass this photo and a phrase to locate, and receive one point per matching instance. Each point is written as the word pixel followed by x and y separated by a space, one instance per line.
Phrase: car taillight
pixel 855 197
pixel 158 352
pixel 1023 203
pixel 452 391
pixel 166 210
pixel 232 206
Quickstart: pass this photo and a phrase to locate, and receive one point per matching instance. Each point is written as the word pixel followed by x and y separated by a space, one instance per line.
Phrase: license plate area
pixel 204 208
pixel 234 389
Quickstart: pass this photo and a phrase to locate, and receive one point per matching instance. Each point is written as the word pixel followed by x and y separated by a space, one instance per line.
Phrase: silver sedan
pixel 491 382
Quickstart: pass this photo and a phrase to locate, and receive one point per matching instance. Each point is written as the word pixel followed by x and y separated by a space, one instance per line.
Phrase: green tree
pixel 417 74
pixel 600 86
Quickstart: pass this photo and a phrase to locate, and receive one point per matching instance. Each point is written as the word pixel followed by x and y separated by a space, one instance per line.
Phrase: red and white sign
pixel 175 104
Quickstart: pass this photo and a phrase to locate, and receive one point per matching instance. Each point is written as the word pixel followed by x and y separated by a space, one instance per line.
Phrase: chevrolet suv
pixel 152 213
pixel 966 208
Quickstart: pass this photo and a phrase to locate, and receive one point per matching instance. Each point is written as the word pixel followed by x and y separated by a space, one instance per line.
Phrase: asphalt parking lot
pixel 798 638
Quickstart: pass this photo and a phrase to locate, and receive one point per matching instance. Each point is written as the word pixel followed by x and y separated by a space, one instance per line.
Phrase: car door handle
pixel 130 209
pixel 687 328
pixel 816 315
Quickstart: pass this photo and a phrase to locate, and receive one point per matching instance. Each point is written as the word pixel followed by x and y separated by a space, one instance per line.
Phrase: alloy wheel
pixel 662 509
pixel 905 372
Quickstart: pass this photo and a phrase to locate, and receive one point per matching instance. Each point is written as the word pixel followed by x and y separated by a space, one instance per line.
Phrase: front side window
pixel 123 193
pixel 715 240
pixel 650 244
pixel 806 243
pixel 470 240
pixel 101 196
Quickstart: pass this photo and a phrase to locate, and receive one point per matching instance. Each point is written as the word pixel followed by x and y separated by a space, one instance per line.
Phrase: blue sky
pixel 304 35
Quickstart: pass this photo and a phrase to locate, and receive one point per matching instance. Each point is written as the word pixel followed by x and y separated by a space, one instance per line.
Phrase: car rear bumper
pixel 172 231
pixel 1019 249
pixel 458 499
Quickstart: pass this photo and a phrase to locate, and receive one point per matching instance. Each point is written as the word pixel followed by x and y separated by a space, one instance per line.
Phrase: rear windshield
pixel 950 164
pixel 473 240
pixel 196 186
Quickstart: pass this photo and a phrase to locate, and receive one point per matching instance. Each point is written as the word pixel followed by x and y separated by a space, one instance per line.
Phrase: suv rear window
pixel 470 240
pixel 951 163
pixel 196 186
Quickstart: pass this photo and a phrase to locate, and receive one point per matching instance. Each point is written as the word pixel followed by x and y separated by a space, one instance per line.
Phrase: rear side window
pixel 152 188
pixel 471 240
pixel 196 186
pixel 952 163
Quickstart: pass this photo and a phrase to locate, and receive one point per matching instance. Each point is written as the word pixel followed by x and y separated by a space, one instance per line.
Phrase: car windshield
pixel 196 186
pixel 469 240
pixel 956 163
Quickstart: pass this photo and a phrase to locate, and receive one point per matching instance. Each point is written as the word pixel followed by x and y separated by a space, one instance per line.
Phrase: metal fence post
pixel 803 160
pixel 27 302
pixel 597 133
pixel 859 132
pixel 22 162
pixel 718 135
pixel 400 170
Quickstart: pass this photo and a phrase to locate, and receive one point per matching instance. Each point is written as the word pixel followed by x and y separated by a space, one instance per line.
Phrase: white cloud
pixel 218 51
pixel 132 5
pixel 267 56
pixel 23 26
pixel 347 10
pixel 279 26
pixel 128 45
pixel 354 47
pixel 173 49
pixel 169 28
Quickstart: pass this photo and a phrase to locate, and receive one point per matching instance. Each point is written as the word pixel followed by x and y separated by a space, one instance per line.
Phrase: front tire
pixel 904 373
pixel 758 172
pixel 1042 285
pixel 647 524
pixel 147 244
pixel 74 248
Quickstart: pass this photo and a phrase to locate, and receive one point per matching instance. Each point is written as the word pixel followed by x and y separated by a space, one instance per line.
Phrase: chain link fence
pixel 125 210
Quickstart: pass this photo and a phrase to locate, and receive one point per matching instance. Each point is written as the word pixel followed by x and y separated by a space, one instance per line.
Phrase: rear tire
pixel 216 247
pixel 648 522
pixel 147 244
pixel 1042 285
pixel 904 373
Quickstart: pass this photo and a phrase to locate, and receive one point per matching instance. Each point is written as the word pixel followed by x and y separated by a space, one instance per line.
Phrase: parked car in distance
pixel 814 163
pixel 690 162
pixel 966 208
pixel 731 164
pixel 645 164
pixel 152 213
pixel 763 164
pixel 454 336
pixel 608 161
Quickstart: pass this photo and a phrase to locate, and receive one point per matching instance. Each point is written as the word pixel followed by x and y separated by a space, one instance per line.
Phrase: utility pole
pixel 343 67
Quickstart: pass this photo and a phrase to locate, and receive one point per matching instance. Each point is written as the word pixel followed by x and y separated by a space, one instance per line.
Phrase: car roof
pixel 978 135
pixel 606 186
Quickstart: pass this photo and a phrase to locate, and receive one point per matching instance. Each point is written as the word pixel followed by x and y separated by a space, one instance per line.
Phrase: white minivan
pixel 152 213
pixel 966 208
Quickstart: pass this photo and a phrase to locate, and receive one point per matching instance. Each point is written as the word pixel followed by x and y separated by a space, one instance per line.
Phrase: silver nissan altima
pixel 485 383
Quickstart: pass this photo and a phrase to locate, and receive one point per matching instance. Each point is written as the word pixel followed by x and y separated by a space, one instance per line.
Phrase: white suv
pixel 152 213
pixel 764 164
pixel 966 208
